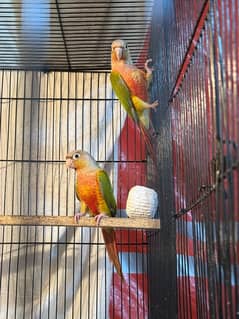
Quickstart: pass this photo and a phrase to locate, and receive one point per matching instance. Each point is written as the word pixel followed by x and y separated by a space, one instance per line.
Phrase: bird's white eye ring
pixel 76 156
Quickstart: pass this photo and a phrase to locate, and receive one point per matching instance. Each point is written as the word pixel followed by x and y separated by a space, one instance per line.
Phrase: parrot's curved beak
pixel 119 53
pixel 69 162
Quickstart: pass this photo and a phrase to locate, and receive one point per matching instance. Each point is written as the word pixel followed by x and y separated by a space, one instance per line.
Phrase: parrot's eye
pixel 76 156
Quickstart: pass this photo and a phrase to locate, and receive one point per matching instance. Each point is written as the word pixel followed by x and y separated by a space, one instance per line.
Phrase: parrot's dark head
pixel 80 159
pixel 119 51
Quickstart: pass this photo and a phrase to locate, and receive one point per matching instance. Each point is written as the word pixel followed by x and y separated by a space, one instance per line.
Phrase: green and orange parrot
pixel 130 85
pixel 95 193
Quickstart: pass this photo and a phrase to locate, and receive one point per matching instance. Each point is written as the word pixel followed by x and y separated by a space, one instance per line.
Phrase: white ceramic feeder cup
pixel 142 202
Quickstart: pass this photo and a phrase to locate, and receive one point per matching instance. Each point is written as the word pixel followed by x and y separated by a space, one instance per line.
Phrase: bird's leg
pixel 78 216
pixel 141 105
pixel 83 210
pixel 99 217
pixel 154 105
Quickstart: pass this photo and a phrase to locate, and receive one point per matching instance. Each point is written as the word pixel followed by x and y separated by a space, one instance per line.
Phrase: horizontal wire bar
pixel 48 99
pixel 63 161
pixel 69 243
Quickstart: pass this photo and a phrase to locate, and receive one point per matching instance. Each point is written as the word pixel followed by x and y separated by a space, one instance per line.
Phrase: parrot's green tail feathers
pixel 110 244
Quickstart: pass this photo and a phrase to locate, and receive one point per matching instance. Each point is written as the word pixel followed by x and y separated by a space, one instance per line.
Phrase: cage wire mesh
pixel 57 271
pixel 69 35
pixel 188 269
pixel 196 50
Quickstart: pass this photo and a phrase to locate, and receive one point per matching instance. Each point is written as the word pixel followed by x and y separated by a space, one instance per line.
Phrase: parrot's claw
pixel 147 67
pixel 78 216
pixel 98 218
pixel 154 105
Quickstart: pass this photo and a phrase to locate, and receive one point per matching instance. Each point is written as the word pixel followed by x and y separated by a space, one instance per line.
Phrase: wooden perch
pixel 143 223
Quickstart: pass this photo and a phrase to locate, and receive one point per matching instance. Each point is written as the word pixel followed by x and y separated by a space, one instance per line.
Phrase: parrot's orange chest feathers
pixel 87 189
pixel 134 78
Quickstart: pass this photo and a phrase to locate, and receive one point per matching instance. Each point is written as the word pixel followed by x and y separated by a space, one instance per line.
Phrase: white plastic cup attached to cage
pixel 142 202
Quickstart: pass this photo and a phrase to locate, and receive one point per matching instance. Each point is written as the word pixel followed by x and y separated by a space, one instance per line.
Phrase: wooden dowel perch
pixel 143 223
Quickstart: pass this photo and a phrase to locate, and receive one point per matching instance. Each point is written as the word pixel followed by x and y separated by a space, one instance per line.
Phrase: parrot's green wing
pixel 123 93
pixel 107 191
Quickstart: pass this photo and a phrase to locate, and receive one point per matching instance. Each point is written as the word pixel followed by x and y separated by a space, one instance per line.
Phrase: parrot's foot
pixel 98 218
pixel 154 105
pixel 78 216
pixel 148 69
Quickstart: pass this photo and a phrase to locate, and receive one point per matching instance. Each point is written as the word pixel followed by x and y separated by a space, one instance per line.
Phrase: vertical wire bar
pixel 207 146
pixel 184 224
pixel 21 188
pixel 33 74
pixel 236 214
pixel 231 186
pixel 7 144
pixel 69 77
pixel 30 143
pixel 59 189
pixel 179 297
pixel 233 189
pixel 197 178
pixel 52 195
pixel 38 104
pixel 37 197
pixel 188 113
pixel 97 156
pixel 220 191
pixel 7 141
pixel 83 147
pixel 137 275
pixel 225 116
pixel 113 176
pixel 119 190
pixel 74 236
pixel 90 233
pixel 105 157
pixel 2 253
pixel 45 148
pixel 38 76
pixel 214 308
pixel 7 156
pixel 27 228
pixel 204 147
pixel 201 219
pixel 185 275
pixel 14 167
pixel 15 143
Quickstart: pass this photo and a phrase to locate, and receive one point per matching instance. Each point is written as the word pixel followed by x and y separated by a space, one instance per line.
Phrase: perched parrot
pixel 94 191
pixel 130 85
